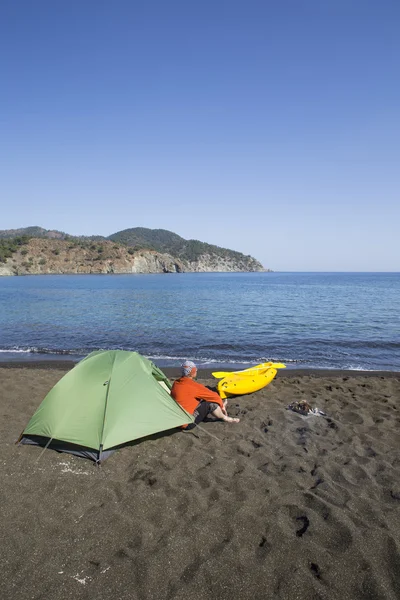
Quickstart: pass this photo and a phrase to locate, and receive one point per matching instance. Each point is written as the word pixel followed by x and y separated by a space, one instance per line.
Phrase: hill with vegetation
pixel 163 240
pixel 37 232
pixel 136 250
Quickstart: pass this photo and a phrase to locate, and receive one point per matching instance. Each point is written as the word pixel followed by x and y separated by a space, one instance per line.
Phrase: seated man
pixel 196 399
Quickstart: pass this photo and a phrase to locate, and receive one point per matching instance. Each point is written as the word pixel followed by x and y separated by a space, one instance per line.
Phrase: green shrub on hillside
pixel 9 246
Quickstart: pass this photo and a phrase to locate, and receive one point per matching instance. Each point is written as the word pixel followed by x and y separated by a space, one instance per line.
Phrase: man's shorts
pixel 203 409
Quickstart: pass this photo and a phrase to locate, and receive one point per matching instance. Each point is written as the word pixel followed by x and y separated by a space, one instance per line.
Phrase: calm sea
pixel 319 320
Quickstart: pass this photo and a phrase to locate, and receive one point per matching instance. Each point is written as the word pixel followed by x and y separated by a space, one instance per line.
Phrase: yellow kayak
pixel 251 371
pixel 237 383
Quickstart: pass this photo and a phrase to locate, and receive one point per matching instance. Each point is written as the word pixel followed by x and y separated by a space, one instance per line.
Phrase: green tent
pixel 109 398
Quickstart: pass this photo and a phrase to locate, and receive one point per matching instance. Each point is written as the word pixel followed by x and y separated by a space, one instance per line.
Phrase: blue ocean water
pixel 313 320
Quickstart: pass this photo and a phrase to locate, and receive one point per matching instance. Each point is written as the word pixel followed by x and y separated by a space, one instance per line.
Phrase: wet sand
pixel 278 506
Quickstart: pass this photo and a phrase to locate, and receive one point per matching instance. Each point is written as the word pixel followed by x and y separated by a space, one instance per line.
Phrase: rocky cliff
pixel 220 264
pixel 57 256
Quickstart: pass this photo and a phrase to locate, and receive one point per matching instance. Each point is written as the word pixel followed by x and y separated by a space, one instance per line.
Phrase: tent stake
pixel 20 438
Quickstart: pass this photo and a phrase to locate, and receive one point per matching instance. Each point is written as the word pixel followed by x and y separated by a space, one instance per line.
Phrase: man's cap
pixel 187 367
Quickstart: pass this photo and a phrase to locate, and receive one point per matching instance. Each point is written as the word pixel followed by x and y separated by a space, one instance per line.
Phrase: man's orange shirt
pixel 188 394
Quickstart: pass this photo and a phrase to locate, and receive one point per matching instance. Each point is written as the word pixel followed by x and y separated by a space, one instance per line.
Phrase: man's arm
pixel 203 393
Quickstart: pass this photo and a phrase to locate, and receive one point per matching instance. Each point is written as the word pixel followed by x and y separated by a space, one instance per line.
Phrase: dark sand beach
pixel 278 506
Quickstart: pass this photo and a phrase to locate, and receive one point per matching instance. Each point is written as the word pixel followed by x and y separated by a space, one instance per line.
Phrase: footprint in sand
pixel 330 532
pixel 264 548
pixel 143 475
pixel 352 417
pixel 315 570
pixel 305 523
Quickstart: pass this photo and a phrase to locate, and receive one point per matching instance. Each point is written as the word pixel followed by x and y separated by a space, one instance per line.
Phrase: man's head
pixel 189 369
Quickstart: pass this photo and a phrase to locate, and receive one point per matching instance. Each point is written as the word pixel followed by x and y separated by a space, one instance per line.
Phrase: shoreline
pixel 174 372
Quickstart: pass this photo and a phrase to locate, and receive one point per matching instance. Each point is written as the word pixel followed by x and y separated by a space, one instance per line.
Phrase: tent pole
pixel 45 448
pixel 98 462
pixel 105 406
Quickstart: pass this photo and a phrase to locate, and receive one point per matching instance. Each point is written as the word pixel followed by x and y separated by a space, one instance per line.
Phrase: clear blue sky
pixel 269 127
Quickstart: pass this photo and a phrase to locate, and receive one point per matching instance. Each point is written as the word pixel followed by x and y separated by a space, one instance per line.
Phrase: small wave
pixel 14 351
pixel 58 352
pixel 200 359
pixel 359 368
pixel 197 359
pixel 165 359
pixel 223 360
pixel 35 350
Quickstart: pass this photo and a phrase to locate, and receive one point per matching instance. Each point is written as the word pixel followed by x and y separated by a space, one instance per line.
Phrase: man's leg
pixel 205 408
pixel 218 414
pixel 213 406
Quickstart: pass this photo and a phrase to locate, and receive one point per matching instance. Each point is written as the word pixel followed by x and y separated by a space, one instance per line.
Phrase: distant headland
pixel 34 251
